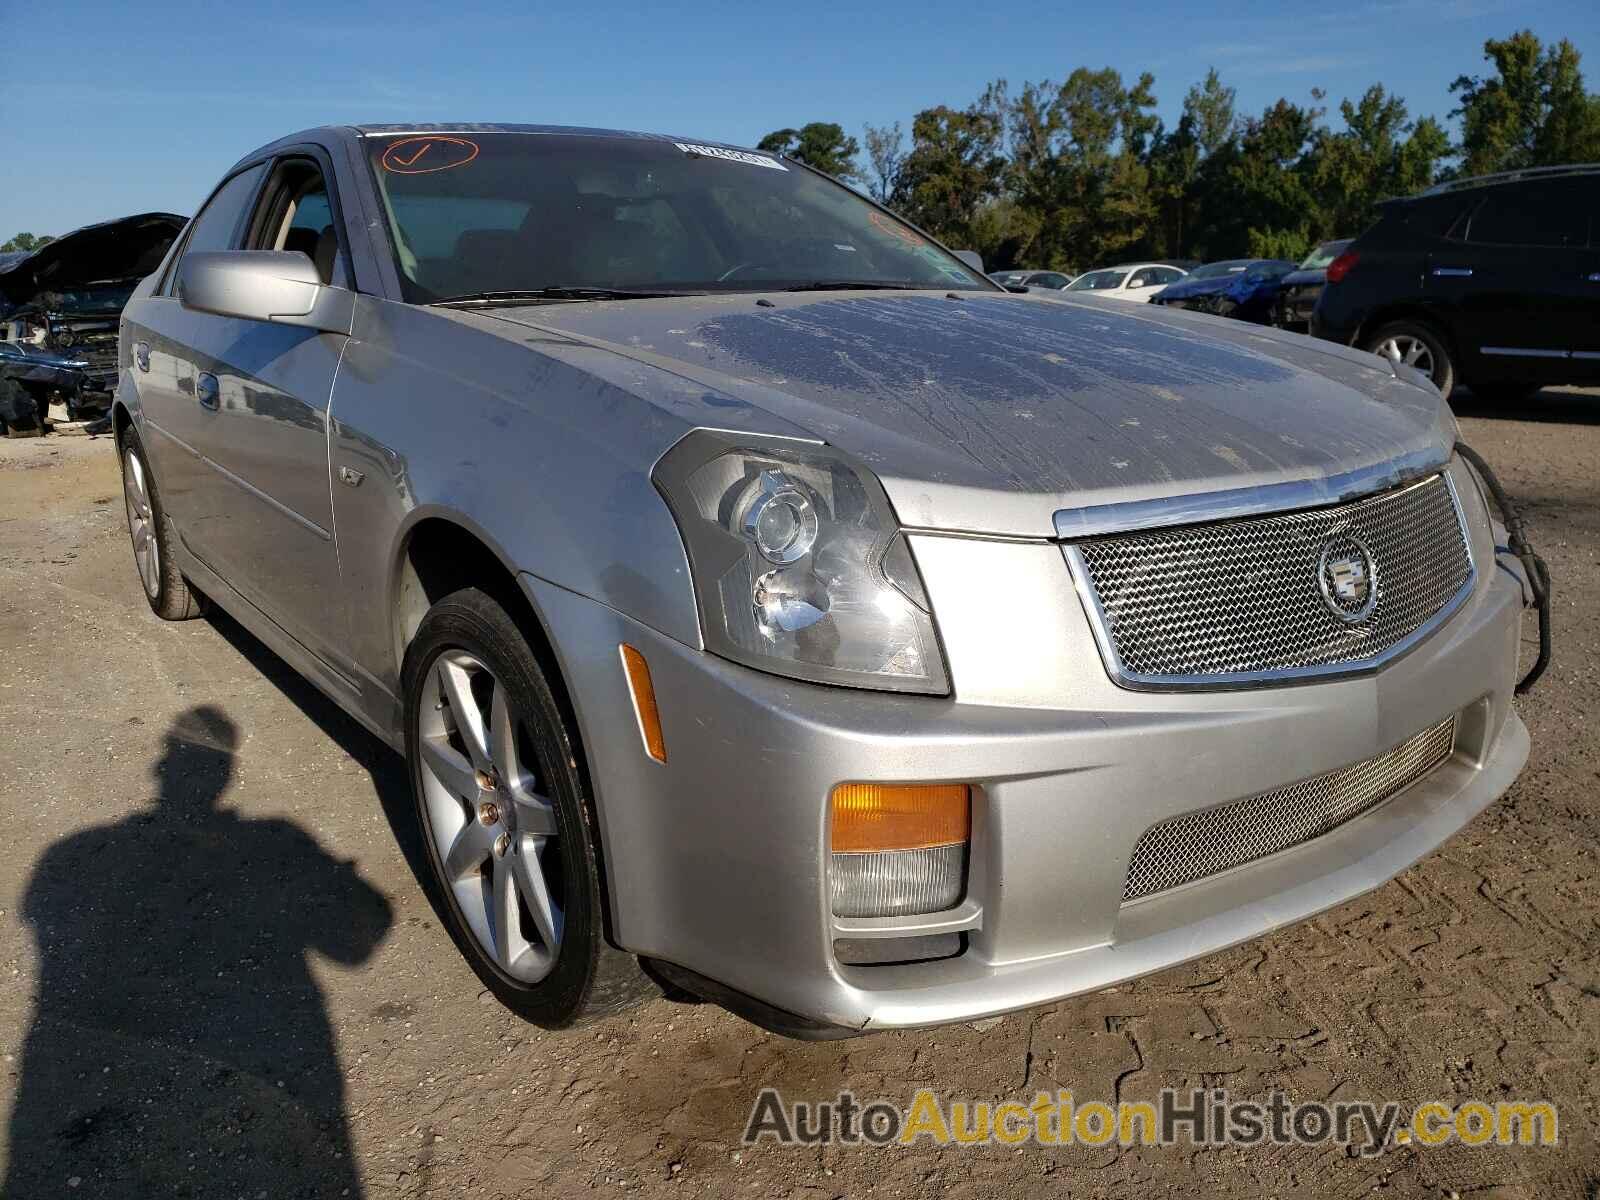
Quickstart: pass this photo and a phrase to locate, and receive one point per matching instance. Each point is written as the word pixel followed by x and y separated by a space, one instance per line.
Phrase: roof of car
pixel 1477 181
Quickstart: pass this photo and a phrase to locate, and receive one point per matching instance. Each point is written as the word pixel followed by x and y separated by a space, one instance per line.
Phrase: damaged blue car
pixel 1243 288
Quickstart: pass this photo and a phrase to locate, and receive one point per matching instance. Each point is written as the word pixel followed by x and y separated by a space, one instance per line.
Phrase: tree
pixel 953 168
pixel 27 241
pixel 1183 163
pixel 885 156
pixel 1534 111
pixel 1269 194
pixel 820 144
pixel 1379 154
pixel 1076 164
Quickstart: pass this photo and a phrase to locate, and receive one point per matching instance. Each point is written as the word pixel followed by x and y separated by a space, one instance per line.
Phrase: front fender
pixel 543 462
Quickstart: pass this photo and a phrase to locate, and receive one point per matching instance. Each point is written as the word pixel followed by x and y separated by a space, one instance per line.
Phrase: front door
pixel 261 391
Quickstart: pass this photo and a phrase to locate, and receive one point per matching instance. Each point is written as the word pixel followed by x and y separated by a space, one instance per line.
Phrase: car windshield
pixel 1216 270
pixel 1097 281
pixel 1323 255
pixel 473 215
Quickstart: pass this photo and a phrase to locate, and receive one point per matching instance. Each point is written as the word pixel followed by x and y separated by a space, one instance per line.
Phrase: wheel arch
pixel 442 551
pixel 1412 311
pixel 121 421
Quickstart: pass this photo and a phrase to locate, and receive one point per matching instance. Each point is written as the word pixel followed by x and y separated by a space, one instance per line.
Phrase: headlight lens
pixel 799 566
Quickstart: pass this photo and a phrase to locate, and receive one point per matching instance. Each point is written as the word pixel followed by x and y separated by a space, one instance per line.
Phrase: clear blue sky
pixel 135 107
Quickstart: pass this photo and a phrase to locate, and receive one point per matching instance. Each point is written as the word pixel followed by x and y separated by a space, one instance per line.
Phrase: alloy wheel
pixel 141 523
pixel 1409 350
pixel 495 835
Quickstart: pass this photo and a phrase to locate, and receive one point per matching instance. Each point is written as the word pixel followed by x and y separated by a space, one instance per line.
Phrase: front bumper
pixel 716 860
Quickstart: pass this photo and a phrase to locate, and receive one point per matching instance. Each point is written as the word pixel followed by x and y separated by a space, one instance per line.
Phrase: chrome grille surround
pixel 1240 603
pixel 1201 844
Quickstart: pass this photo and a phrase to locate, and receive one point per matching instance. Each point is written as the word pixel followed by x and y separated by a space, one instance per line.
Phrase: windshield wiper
pixel 848 285
pixel 524 296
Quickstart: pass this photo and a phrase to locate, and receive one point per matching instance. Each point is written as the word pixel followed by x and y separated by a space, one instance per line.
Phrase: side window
pixel 1545 213
pixel 296 214
pixel 1164 276
pixel 217 226
pixel 1142 279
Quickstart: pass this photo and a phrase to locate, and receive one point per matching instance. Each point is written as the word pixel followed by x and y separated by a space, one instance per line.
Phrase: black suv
pixel 1492 282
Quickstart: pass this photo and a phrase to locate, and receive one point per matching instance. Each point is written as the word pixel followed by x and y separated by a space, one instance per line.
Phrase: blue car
pixel 1243 288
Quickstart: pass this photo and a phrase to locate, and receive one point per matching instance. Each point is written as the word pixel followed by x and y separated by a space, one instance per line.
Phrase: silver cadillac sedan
pixel 771 607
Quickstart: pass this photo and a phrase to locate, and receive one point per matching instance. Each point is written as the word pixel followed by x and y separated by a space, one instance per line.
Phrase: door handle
pixel 1453 272
pixel 206 391
pixel 141 355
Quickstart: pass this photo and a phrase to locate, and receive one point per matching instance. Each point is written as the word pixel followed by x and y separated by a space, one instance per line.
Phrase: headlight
pixel 799 566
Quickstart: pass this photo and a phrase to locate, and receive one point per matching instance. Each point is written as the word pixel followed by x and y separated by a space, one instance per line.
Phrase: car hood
pixel 991 412
pixel 128 248
pixel 1186 288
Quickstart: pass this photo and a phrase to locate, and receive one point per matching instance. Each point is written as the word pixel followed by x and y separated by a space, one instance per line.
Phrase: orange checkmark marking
pixel 406 162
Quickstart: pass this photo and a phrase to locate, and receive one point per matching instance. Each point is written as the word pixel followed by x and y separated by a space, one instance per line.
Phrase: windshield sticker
pixel 887 224
pixel 738 156
pixel 425 155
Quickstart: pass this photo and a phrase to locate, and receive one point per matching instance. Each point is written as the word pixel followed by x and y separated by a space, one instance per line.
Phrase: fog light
pixel 898 850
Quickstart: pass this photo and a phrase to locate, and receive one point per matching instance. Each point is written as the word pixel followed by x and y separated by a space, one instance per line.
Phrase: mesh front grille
pixel 1223 602
pixel 1199 844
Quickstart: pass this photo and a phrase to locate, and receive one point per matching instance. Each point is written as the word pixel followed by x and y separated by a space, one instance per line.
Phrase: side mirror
pixel 281 286
pixel 972 258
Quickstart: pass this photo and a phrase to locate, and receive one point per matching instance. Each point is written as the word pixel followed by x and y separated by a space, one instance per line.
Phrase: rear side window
pixel 1546 213
pixel 217 226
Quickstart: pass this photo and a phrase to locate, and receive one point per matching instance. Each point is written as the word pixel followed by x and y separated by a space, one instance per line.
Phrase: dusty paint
pixel 990 413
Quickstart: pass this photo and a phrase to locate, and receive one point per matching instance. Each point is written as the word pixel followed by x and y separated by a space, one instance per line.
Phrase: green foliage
pixel 954 167
pixel 821 144
pixel 1532 112
pixel 26 241
pixel 1290 244
pixel 1077 174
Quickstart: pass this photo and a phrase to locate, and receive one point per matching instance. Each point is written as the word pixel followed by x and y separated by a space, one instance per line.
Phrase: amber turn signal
pixel 869 817
pixel 644 702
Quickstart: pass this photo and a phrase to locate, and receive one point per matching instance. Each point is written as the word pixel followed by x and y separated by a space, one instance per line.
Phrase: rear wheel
pixel 1415 345
pixel 170 596
pixel 506 818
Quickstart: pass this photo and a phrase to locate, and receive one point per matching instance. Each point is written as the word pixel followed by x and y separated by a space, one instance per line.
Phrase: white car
pixel 1135 282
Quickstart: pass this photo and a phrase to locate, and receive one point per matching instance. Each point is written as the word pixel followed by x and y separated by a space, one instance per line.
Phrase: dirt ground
pixel 219 976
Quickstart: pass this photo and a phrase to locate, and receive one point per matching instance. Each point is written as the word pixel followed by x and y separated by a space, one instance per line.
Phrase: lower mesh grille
pixel 1196 845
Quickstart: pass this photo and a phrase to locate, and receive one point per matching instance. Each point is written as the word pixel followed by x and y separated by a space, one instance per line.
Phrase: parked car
pixel 62 303
pixel 766 602
pixel 1493 282
pixel 1298 290
pixel 1135 282
pixel 1243 288
pixel 1053 280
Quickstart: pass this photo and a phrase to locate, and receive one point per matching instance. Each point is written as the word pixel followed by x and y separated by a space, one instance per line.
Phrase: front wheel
pixel 1415 345
pixel 506 817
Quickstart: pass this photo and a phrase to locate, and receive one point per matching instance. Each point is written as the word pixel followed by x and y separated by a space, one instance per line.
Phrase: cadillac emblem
pixel 1348 577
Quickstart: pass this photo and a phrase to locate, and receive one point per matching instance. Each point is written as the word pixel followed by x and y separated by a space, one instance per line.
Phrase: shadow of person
pixel 180 1045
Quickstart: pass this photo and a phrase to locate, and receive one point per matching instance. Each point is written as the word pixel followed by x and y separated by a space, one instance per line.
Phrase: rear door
pixel 1518 280
pixel 1585 340
pixel 262 389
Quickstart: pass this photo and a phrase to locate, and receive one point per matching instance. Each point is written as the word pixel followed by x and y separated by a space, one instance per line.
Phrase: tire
pixel 1418 345
pixel 507 819
pixel 170 596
